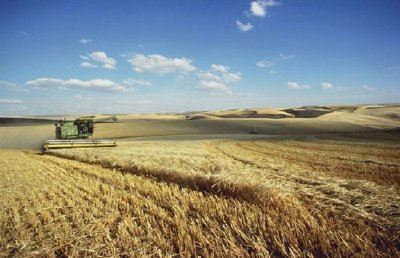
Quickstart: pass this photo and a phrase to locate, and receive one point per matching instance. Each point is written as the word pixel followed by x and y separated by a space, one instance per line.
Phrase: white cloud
pixel 217 79
pixel 140 82
pixel 99 84
pixel 256 9
pixel 99 57
pixel 296 86
pixel 326 86
pixel 11 86
pixel 222 93
pixel 285 57
pixel 84 40
pixel 277 60
pixel 208 76
pixel 244 27
pixel 145 102
pixel 139 102
pixel 265 64
pixel 367 88
pixel 7 85
pixel 88 65
pixel 220 68
pixel 212 85
pixel 16 108
pixel 231 77
pixel 11 101
pixel 180 77
pixel 160 64
pixel 259 8
pixel 84 57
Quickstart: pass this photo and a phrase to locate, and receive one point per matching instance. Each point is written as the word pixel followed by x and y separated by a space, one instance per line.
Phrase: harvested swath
pixel 85 210
pixel 232 169
pixel 378 163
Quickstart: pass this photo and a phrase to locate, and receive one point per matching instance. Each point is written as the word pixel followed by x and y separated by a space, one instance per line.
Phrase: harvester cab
pixel 78 134
pixel 78 129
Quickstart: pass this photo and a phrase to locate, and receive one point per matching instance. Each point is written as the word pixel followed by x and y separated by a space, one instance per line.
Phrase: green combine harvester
pixel 78 134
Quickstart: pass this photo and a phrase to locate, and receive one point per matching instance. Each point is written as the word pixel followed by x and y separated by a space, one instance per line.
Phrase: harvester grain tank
pixel 78 134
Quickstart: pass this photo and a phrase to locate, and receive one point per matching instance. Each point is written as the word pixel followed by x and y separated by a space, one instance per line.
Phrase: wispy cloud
pixel 160 64
pixel 98 57
pixel 140 82
pixel 285 57
pixel 220 68
pixel 367 88
pixel 326 86
pixel 393 68
pixel 11 101
pixel 139 102
pixel 96 84
pixel 260 8
pixel 217 80
pixel 297 86
pixel 88 65
pixel 7 85
pixel 214 86
pixel 84 40
pixel 244 27
pixel 24 33
pixel 265 64
pixel 10 86
pixel 101 57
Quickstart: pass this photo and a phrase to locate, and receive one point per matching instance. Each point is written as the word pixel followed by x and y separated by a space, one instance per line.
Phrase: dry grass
pixel 210 198
pixel 85 210
pixel 372 162
pixel 327 196
pixel 320 172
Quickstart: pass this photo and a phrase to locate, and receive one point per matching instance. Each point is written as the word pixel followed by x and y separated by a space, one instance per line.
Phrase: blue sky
pixel 75 56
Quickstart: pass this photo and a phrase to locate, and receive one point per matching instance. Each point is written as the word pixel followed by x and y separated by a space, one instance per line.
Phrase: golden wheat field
pixel 327 186
pixel 215 129
pixel 318 196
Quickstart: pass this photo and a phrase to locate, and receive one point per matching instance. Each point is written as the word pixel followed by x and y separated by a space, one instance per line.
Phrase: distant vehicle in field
pixel 253 131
